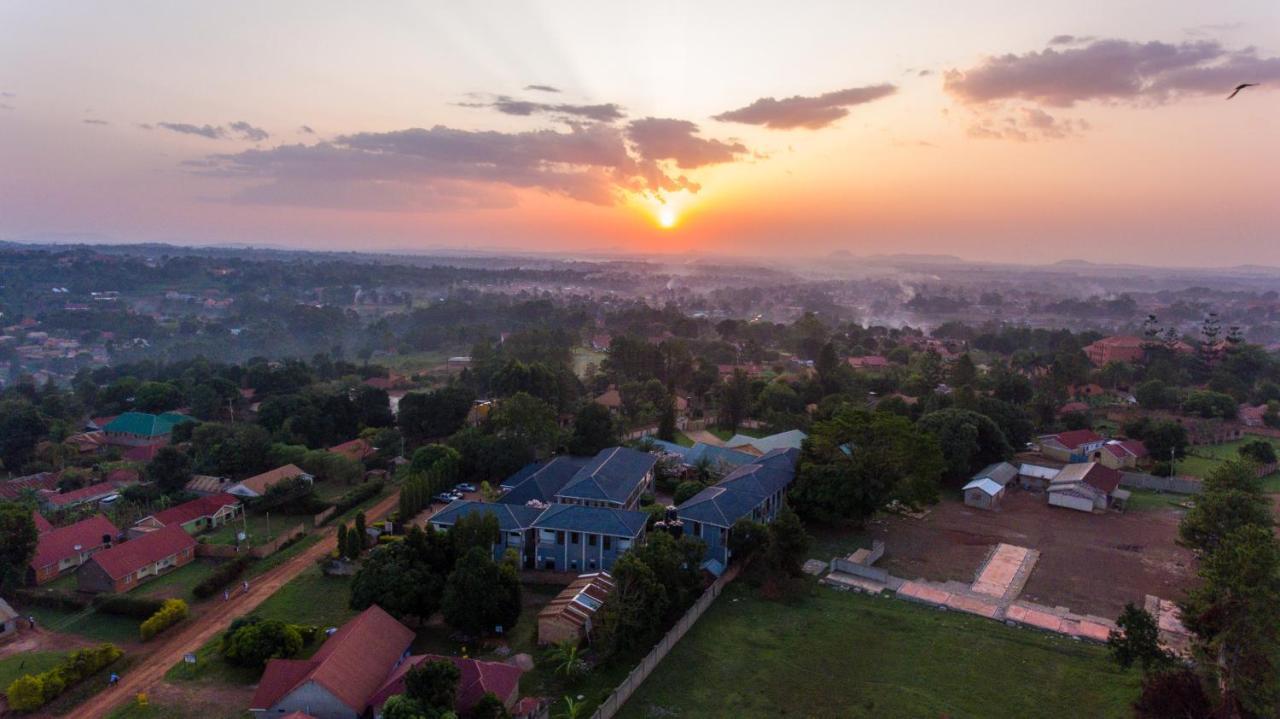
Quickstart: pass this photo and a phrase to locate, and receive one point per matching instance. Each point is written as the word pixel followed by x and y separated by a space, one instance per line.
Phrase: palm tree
pixel 573 709
pixel 567 659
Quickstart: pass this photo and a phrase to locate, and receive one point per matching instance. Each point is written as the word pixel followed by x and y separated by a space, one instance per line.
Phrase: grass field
pixel 848 655
pixel 178 583
pixel 1202 460
pixel 310 598
pixel 582 357
pixel 412 362
pixel 1142 500
pixel 259 527
pixel 26 663
pixel 185 710
pixel 88 624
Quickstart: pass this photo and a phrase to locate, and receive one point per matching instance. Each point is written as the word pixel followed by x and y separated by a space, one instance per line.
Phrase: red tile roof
pixel 42 524
pixel 128 557
pixel 356 449
pixel 58 544
pixel 352 664
pixel 145 453
pixel 14 488
pixel 260 483
pixel 195 509
pixel 82 495
pixel 1103 479
pixel 475 679
pixel 1076 437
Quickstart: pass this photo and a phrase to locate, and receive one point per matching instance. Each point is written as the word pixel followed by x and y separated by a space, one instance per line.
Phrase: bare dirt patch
pixel 1088 562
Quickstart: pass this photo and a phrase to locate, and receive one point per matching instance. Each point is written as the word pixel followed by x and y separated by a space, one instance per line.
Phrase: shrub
pixel 254 643
pixel 127 606
pixel 53 599
pixel 224 574
pixel 170 613
pixel 32 691
pixel 354 497
pixel 26 693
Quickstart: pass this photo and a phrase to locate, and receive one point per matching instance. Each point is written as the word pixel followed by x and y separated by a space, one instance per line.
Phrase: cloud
pixel 8 94
pixel 542 88
pixel 240 128
pixel 249 132
pixel 659 138
pixel 207 131
pixel 146 126
pixel 1069 39
pixel 924 73
pixel 306 130
pixel 6 106
pixel 1111 71
pixel 1027 124
pixel 94 121
pixel 429 168
pixel 810 113
pixel 607 112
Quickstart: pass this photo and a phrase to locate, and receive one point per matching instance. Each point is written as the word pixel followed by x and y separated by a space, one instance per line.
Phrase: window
pixel 547 535
pixel 592 540
pixel 608 542
pixel 560 537
pixel 624 545
pixel 697 529
pixel 574 538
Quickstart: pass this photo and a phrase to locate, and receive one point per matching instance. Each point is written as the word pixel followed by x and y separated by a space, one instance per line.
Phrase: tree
pixel 477 529
pixel 857 461
pixel 405 577
pixel 963 372
pixel 431 415
pixel 1210 405
pixel 667 420
pixel 527 420
pixel 433 684
pixel 18 539
pixel 1136 640
pixel 21 427
pixel 1232 498
pixel 399 706
pixel 593 430
pixel 969 441
pixel 568 660
pixel 481 595
pixel 490 707
pixel 746 537
pixel 26 693
pixel 342 540
pixel 1164 439
pixel 685 490
pixel 1177 693
pixel 788 543
pixel 372 406
pixel 170 469
pixel 1259 451
pixel 735 399
pixel 254 643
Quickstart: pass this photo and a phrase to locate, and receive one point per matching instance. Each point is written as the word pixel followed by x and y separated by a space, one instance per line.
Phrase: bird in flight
pixel 1240 87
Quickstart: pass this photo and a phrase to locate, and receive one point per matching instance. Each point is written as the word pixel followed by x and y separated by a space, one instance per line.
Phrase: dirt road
pixel 151 669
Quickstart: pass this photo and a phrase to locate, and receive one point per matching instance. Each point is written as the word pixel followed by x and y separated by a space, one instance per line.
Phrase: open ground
pixel 1088 562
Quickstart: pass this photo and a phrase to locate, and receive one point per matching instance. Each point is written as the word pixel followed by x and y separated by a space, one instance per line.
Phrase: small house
pixel 1120 454
pixel 1073 446
pixel 64 549
pixel 196 516
pixel 124 566
pixel 987 488
pixel 8 621
pixel 1085 486
pixel 1036 477
pixel 257 485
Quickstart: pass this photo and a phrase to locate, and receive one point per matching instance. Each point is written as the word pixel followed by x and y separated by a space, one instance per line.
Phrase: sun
pixel 667 217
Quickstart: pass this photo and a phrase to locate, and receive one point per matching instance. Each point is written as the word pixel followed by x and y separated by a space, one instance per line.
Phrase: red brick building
pixel 124 566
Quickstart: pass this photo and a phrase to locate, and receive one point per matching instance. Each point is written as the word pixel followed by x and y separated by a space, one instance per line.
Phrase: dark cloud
pixel 306 130
pixel 428 168
pixel 1111 71
pixel 249 132
pixel 924 73
pixel 211 132
pixel 660 138
pixel 810 113
pixel 146 126
pixel 607 112
pixel 542 88
pixel 94 121
pixel 1069 39
pixel 8 94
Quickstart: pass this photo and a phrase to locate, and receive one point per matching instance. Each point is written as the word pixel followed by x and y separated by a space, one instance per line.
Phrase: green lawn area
pixel 1141 500
pixel 850 655
pixel 683 440
pixel 204 710
pixel 583 357
pixel 310 598
pixel 26 663
pixel 259 527
pixel 835 541
pixel 412 362
pixel 1202 460
pixel 725 434
pixel 88 624
pixel 179 582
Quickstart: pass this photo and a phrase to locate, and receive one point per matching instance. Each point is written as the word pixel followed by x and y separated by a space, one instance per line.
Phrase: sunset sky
pixel 1024 132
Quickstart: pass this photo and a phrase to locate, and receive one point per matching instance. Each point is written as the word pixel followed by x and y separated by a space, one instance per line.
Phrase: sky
pixel 1007 131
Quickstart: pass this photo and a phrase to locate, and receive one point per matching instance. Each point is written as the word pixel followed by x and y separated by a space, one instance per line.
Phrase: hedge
pixel 32 691
pixel 53 599
pixel 224 574
pixel 172 612
pixel 355 497
pixel 127 606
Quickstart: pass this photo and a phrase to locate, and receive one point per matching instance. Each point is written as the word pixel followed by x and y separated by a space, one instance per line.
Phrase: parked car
pixel 465 487
pixel 447 497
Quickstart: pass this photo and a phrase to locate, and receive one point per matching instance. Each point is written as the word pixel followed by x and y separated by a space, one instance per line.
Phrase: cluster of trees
pixel 1234 668
pixel 653 585
pixel 431 692
pixel 454 572
pixel 253 641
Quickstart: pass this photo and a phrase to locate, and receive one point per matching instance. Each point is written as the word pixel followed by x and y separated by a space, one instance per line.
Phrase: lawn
pixel 582 357
pixel 185 710
pixel 26 663
pixel 683 440
pixel 1142 500
pixel 1202 460
pixel 310 598
pixel 260 528
pixel 413 362
pixel 851 655
pixel 179 582
pixel 88 624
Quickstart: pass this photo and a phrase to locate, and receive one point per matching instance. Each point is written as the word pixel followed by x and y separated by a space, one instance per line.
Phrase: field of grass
pixel 204 710
pixel 1142 500
pixel 259 527
pixel 179 582
pixel 850 655
pixel 1202 460
pixel 412 362
pixel 88 624
pixel 26 663
pixel 583 357
pixel 310 598
pixel 683 440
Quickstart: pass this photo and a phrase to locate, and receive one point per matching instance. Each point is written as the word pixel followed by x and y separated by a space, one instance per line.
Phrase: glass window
pixel 592 540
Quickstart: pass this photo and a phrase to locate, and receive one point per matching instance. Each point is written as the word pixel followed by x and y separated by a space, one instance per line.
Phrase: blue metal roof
pixel 716 455
pixel 742 490
pixel 593 520
pixel 511 518
pixel 790 439
pixel 542 480
pixel 612 475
